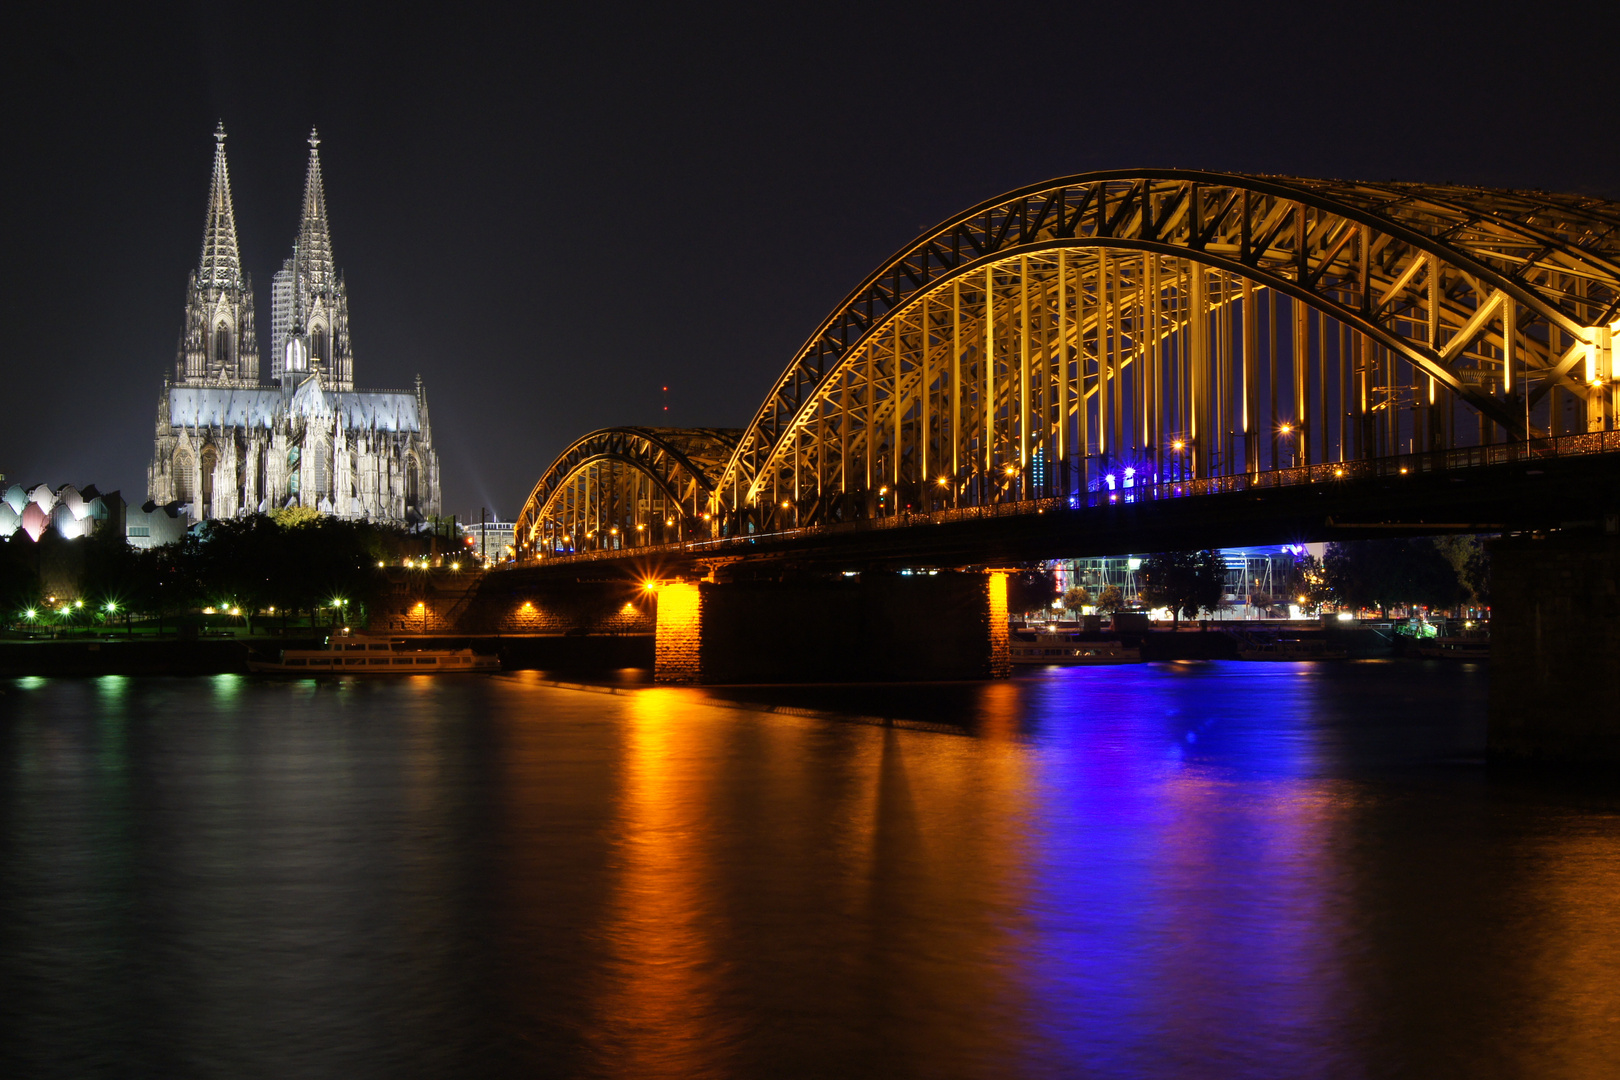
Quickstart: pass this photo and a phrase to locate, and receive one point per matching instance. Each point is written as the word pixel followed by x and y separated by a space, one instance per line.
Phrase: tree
pixel 19 575
pixel 1076 598
pixel 1387 573
pixel 293 516
pixel 1471 562
pixel 1031 590
pixel 1306 584
pixel 1184 582
pixel 1477 574
pixel 1111 600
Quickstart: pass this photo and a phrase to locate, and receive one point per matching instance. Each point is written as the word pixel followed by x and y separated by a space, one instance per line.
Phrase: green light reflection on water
pixel 227 688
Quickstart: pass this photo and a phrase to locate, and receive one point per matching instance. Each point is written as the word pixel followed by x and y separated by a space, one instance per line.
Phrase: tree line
pixel 292 562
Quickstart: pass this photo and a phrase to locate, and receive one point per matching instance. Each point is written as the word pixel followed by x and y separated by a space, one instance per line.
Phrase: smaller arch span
pixel 624 487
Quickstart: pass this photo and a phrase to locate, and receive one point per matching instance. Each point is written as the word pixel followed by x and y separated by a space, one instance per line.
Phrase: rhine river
pixel 1165 870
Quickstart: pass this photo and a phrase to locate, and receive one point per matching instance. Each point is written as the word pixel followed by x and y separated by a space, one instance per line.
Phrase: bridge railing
pixel 1469 457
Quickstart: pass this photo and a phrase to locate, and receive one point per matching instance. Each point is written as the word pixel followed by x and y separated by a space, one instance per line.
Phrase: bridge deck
pixel 1542 483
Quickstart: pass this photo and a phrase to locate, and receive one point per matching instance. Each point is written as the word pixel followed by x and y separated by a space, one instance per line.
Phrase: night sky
pixel 551 216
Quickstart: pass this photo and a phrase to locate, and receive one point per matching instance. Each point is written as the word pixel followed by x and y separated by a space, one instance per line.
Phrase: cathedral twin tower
pixel 229 442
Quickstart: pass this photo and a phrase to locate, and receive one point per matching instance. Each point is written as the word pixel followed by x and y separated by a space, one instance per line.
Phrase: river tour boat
pixel 359 654
pixel 1067 647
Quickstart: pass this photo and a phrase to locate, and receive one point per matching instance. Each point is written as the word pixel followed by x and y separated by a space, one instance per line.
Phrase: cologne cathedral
pixel 230 442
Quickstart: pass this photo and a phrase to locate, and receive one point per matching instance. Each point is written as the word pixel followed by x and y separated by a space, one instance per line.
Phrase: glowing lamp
pixel 1178 445
pixel 943 482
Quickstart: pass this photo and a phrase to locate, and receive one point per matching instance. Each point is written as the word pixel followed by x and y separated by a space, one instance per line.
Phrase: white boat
pixel 359 654
pixel 1291 649
pixel 1048 647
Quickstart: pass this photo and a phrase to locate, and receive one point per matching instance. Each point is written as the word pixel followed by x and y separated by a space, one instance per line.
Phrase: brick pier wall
pixel 877 627
pixel 1555 649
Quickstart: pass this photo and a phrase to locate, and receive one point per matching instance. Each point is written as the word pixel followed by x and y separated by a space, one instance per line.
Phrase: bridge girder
pixel 624 486
pixel 1114 316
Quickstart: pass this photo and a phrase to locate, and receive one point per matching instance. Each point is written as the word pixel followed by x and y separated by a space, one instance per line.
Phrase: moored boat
pixel 1048 647
pixel 1456 648
pixel 1291 649
pixel 361 654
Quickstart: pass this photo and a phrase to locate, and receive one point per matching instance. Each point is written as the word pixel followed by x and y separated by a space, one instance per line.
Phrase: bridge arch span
pixel 624 487
pixel 1156 325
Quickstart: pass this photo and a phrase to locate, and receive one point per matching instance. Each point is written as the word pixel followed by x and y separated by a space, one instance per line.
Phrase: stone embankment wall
pixel 512 602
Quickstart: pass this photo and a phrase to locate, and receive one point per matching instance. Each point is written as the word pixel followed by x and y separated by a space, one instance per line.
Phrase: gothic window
pixel 183 480
pixel 323 467
pixel 210 457
pixel 222 345
pixel 411 482
pixel 317 345
pixel 293 456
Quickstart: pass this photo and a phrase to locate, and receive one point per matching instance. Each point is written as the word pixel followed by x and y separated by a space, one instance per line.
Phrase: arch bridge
pixel 1140 335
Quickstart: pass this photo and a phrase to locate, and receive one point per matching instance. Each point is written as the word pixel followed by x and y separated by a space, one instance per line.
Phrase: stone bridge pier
pixel 1555 647
pixel 867 627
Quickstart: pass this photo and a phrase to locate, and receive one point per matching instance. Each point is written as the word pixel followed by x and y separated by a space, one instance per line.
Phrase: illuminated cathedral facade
pixel 229 442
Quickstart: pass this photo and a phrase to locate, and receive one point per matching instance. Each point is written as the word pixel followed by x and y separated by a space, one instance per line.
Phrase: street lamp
pixel 1286 430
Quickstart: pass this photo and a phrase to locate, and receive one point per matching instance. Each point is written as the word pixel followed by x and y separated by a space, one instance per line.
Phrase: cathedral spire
pixel 221 264
pixel 314 244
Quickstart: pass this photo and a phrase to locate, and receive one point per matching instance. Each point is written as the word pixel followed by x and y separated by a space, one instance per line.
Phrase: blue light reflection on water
pixel 1182 908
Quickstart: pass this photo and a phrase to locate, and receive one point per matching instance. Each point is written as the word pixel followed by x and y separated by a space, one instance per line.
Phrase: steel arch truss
pixel 1183 324
pixel 624 487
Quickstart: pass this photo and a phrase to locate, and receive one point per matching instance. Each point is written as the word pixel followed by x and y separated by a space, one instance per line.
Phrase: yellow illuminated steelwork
pixel 1189 325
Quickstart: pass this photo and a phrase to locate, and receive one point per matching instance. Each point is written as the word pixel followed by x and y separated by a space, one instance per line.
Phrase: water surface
pixel 1178 870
